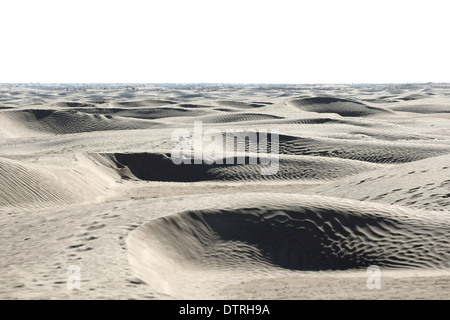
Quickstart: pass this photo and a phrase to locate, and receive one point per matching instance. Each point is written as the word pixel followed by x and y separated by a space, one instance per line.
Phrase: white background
pixel 224 41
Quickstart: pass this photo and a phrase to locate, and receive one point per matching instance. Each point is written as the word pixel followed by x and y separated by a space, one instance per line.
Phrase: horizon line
pixel 221 83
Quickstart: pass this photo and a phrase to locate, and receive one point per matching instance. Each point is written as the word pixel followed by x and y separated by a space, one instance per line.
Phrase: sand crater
pixel 310 236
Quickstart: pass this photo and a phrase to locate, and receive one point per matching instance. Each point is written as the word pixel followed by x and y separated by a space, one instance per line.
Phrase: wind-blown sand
pixel 87 181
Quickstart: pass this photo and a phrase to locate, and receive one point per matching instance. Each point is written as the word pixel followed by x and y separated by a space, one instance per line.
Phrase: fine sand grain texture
pixel 88 183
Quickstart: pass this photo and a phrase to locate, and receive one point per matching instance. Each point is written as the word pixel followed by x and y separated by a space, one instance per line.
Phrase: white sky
pixel 224 41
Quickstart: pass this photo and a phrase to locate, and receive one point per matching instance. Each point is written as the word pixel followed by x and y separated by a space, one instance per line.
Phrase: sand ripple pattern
pixel 25 185
pixel 374 152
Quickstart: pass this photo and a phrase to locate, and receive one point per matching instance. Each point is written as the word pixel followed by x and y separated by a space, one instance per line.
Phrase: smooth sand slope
pixel 88 181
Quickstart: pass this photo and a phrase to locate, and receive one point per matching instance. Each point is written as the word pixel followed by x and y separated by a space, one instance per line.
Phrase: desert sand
pixel 87 180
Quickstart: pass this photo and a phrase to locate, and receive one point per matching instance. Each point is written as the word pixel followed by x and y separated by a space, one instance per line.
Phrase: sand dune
pixel 240 104
pixel 295 233
pixel 423 108
pixel 195 106
pixel 363 179
pixel 71 104
pixel 25 184
pixel 343 107
pixel 159 167
pixel 70 121
pixel 238 117
pixel 142 103
pixel 368 151
pixel 423 184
